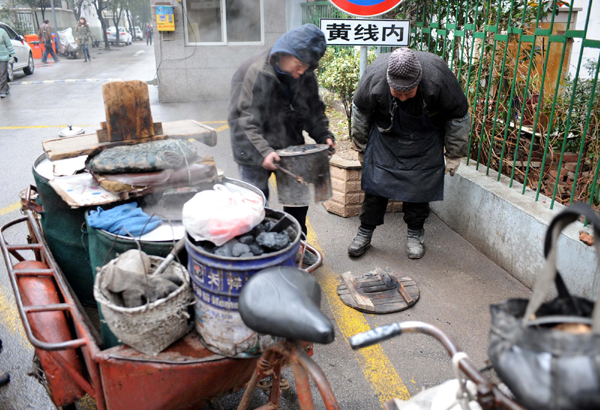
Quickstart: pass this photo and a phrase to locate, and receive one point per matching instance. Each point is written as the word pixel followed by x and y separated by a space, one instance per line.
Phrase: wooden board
pixel 69 147
pixel 128 115
pixel 399 293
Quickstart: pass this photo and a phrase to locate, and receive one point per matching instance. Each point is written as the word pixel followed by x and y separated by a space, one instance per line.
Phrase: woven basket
pixel 153 327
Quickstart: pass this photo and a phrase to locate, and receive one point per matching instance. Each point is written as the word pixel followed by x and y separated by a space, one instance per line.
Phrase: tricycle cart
pixel 184 376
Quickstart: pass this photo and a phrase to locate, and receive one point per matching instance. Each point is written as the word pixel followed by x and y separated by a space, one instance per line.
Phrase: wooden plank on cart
pixel 385 291
pixel 69 147
pixel 128 114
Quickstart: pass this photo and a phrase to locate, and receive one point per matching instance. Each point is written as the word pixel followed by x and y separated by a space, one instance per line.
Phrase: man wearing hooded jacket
pixel 411 122
pixel 274 97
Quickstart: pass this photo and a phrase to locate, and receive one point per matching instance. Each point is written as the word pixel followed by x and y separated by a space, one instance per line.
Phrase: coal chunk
pixel 226 250
pixel 246 239
pixel 273 241
pixel 256 249
pixel 240 248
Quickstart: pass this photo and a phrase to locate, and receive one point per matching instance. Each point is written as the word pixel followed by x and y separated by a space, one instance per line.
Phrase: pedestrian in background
pixel 6 50
pixel 149 34
pixel 407 110
pixel 45 35
pixel 83 38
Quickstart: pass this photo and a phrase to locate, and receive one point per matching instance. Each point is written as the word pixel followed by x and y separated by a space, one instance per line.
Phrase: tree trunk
pixel 99 6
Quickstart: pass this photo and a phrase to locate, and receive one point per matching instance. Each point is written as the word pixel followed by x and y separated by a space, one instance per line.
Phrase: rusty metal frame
pixel 85 341
pixel 306 247
pixel 270 364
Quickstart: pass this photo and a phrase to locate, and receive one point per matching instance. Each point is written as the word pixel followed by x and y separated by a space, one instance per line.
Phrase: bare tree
pixel 117 8
pixel 100 6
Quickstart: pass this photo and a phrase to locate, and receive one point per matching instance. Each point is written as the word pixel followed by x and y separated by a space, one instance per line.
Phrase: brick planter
pixel 345 183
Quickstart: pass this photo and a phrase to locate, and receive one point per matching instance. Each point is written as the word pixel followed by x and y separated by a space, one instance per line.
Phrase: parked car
pixel 139 34
pixel 23 59
pixel 124 36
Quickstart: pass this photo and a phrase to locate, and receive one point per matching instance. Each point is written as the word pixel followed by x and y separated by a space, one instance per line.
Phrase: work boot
pixel 361 242
pixel 414 243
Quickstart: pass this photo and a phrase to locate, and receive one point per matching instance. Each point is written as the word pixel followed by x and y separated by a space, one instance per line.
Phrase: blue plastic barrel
pixel 217 282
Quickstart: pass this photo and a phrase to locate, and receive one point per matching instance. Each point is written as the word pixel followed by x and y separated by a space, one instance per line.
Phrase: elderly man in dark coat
pixel 274 98
pixel 408 109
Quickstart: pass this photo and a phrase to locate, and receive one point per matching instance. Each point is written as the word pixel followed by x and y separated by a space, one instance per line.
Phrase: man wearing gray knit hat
pixel 410 123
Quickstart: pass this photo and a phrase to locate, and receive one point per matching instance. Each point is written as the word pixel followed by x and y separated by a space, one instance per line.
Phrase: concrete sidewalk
pixel 457 283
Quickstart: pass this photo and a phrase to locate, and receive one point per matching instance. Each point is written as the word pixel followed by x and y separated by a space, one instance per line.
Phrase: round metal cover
pixel 71 131
pixel 378 291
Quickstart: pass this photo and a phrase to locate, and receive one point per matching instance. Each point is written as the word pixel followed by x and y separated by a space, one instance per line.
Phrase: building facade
pixel 212 38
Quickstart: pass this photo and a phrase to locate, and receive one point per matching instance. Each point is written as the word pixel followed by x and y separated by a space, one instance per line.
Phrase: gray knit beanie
pixel 404 70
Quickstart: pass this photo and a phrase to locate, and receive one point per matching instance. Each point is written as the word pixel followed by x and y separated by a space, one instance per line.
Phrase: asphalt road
pixel 457 283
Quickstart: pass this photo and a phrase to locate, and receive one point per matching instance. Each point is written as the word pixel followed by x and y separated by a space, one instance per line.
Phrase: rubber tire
pixel 30 67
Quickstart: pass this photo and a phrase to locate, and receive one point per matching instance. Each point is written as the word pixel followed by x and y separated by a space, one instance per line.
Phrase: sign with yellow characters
pixel 165 19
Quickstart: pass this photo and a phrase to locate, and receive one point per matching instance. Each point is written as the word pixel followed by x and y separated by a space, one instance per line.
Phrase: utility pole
pixel 54 17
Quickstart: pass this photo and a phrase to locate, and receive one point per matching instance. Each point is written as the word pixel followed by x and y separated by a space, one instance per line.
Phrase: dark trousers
pixel 86 51
pixel 373 211
pixel 48 49
pixel 4 77
pixel 259 177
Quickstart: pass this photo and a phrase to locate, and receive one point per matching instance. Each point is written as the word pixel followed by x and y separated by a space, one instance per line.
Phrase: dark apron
pixel 406 161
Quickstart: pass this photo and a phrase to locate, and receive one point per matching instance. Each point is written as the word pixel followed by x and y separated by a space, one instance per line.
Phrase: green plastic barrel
pixel 62 229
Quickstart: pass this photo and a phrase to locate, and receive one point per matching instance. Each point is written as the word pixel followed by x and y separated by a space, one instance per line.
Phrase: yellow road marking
pixel 11 320
pixel 10 208
pixel 375 364
pixel 25 127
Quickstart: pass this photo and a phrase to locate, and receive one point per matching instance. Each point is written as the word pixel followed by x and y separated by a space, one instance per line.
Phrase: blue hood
pixel 306 43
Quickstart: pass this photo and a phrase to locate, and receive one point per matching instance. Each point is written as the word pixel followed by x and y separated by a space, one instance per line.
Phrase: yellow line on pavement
pixel 376 366
pixel 11 320
pixel 24 127
pixel 10 208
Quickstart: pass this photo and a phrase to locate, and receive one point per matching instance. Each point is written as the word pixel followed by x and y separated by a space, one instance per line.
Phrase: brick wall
pixel 345 184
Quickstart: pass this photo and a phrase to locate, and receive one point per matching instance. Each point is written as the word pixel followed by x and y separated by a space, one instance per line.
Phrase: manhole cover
pixel 378 291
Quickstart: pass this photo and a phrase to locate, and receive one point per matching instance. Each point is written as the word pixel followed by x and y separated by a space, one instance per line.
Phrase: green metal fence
pixel 532 121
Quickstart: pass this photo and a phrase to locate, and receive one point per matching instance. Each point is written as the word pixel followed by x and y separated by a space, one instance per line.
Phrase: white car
pixel 23 58
pixel 139 34
pixel 124 36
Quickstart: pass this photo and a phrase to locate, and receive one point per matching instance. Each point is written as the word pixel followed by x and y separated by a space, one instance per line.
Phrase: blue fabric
pixel 126 216
pixel 307 43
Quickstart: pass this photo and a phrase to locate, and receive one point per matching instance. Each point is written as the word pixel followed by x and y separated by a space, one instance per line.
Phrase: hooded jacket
pixel 268 110
pixel 6 47
pixel 446 102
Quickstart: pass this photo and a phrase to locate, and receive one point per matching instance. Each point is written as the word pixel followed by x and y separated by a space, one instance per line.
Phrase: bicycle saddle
pixel 284 301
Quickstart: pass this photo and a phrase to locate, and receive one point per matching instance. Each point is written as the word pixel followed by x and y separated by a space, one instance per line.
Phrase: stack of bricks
pixel 566 176
pixel 345 183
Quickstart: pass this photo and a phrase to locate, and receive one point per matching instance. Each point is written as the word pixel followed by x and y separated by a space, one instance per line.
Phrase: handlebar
pixel 489 396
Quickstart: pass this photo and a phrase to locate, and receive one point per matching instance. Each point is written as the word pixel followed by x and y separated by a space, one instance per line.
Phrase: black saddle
pixel 284 301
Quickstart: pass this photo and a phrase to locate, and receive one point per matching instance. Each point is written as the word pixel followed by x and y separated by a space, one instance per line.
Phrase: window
pixel 11 34
pixel 211 22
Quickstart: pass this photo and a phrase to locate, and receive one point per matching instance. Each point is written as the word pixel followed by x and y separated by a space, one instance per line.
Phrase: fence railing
pixel 530 71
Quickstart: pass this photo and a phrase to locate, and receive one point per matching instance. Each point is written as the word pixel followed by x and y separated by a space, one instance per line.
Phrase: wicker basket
pixel 153 327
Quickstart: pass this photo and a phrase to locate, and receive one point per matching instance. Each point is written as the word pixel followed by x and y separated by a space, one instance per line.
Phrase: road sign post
pixel 365 8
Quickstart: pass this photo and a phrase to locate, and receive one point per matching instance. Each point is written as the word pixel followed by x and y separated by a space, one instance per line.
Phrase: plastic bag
pixel 219 215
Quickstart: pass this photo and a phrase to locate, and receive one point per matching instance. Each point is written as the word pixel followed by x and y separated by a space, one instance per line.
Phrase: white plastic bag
pixel 218 215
